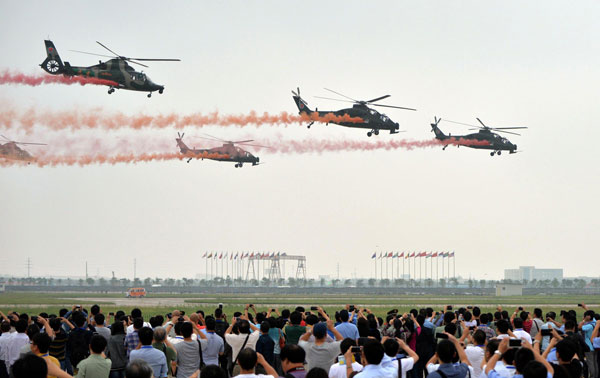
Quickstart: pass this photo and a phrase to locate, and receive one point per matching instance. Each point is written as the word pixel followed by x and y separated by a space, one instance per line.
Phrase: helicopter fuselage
pixel 494 141
pixel 227 152
pixel 117 70
pixel 11 151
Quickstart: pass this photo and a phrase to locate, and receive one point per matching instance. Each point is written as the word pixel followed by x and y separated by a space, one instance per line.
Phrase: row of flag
pixel 392 255
pixel 238 255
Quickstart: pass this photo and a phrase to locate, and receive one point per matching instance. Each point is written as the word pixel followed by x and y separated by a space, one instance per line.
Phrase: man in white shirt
pixel 4 338
pixel 390 359
pixel 502 327
pixel 16 342
pixel 475 352
pixel 519 332
pixel 136 313
pixel 245 339
pixel 340 368
pixel 371 354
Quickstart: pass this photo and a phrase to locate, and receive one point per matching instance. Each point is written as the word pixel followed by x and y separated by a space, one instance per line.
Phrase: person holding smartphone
pixel 346 360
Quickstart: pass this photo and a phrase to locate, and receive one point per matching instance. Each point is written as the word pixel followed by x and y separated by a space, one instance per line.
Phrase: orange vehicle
pixel 136 292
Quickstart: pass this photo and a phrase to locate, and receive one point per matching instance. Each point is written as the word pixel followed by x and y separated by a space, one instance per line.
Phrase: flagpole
pixel 403 258
pixel 448 266
pixel 425 266
pixel 375 265
pixel 387 268
pixel 420 269
pixel 454 263
pixel 443 255
pixel 392 266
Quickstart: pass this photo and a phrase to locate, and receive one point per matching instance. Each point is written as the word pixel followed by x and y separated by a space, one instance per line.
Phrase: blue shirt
pixel 587 330
pixel 348 330
pixel 428 324
pixel 154 357
pixel 211 347
pixel 452 370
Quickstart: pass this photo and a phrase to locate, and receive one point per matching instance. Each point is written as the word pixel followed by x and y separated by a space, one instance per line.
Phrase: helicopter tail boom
pixel 438 133
pixel 300 103
pixel 52 64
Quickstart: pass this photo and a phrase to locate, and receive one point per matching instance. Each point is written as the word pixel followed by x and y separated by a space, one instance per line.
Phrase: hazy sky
pixel 507 62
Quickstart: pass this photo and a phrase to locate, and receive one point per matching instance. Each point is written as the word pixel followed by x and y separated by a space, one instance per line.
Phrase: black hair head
pixel 98 344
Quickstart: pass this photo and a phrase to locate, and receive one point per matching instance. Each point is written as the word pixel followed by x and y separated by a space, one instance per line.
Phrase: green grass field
pixel 379 304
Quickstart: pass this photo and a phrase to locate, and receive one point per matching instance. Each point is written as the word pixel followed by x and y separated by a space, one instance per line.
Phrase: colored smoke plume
pixel 7 77
pixel 85 160
pixel 105 154
pixel 99 119
pixel 319 146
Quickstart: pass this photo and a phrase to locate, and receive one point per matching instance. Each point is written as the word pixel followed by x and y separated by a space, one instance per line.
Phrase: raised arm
pixel 538 357
pixel 406 348
pixel 233 321
pixel 503 347
pixel 596 330
pixel 338 336
pixel 268 368
pixel 459 349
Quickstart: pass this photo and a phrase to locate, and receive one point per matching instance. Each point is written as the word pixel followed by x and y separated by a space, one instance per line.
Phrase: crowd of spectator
pixel 352 342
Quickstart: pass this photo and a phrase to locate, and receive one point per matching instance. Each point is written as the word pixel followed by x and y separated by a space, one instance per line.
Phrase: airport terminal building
pixel 531 273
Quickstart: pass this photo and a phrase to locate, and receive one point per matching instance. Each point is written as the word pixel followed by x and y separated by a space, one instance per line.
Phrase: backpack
pixel 79 346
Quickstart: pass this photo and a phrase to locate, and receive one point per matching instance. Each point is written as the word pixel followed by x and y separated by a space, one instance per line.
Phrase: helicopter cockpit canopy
pixel 140 76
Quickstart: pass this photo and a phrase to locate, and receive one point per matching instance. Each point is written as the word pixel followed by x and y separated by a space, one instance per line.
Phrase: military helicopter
pixel 115 70
pixel 12 151
pixel 496 143
pixel 228 152
pixel 372 118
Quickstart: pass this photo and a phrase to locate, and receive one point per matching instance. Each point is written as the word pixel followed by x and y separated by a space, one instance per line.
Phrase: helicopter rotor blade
pixel 34 144
pixel 461 123
pixel 255 145
pixel 508 132
pixel 5 138
pixel 391 106
pixel 334 99
pixel 89 53
pixel 508 128
pixel 483 124
pixel 108 49
pixel 339 94
pixel 156 59
pixel 378 98
pixel 134 62
pixel 242 141
pixel 295 94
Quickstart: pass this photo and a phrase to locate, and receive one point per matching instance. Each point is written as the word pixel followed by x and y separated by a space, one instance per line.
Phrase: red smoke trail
pixel 7 77
pixel 319 146
pixel 103 156
pixel 106 159
pixel 99 119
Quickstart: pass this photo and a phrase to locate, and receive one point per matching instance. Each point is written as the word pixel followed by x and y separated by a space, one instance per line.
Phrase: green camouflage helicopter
pixel 115 73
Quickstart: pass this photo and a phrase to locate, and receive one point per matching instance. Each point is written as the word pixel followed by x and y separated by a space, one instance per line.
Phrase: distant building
pixel 503 290
pixel 530 273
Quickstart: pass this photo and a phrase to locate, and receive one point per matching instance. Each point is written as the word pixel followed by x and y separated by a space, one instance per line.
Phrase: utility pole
pixel 86 271
pixel 338 271
pixel 134 269
pixel 28 267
